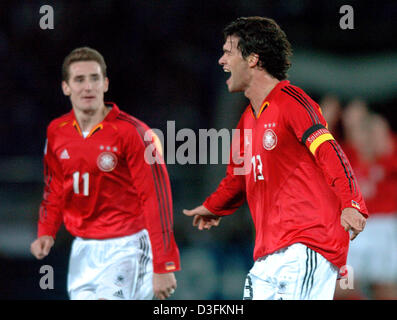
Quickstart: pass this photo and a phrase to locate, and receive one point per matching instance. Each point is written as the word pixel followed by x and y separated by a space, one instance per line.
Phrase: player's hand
pixel 164 285
pixel 41 247
pixel 352 219
pixel 203 218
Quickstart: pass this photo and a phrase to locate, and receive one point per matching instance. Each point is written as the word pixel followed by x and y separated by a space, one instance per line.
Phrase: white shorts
pixel 292 273
pixel 112 269
pixel 373 254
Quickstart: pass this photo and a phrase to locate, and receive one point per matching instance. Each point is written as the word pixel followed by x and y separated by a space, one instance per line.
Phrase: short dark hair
pixel 264 37
pixel 82 54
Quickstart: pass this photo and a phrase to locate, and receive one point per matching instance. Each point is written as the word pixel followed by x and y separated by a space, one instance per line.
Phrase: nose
pixel 87 85
pixel 221 60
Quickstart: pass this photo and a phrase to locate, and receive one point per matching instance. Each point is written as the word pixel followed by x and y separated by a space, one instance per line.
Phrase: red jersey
pixel 378 181
pixel 299 179
pixel 101 187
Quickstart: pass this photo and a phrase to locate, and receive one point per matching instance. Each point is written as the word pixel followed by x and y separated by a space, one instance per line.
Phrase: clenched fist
pixel 41 247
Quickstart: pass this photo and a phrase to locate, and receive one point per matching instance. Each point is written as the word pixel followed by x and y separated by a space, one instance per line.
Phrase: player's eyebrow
pixel 82 76
pixel 224 49
pixel 228 46
pixel 79 77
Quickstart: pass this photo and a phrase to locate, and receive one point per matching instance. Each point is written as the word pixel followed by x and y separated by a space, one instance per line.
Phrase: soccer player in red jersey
pixel 98 183
pixel 300 188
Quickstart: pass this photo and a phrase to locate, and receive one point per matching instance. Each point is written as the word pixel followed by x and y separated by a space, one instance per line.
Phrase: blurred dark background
pixel 162 64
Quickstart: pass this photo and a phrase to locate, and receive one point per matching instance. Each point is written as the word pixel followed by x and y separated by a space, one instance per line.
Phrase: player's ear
pixel 253 60
pixel 65 88
pixel 106 85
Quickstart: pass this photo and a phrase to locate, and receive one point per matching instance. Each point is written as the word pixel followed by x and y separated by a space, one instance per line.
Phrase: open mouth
pixel 227 71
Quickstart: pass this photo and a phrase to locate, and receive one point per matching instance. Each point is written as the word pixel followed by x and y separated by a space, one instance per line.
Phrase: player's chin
pixel 230 89
pixel 88 106
pixel 233 88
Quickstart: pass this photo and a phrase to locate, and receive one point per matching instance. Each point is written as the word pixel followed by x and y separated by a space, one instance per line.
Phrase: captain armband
pixel 315 136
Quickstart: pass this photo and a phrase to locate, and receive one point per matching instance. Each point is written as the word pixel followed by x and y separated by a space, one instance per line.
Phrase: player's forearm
pixel 49 222
pixel 228 197
pixel 164 248
pixel 340 175
pixel 168 262
pixel 50 216
pixel 158 210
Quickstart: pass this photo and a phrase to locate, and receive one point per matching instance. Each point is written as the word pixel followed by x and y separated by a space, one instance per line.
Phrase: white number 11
pixel 76 182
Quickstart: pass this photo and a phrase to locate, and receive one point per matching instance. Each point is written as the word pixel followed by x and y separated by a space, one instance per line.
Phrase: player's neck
pixel 89 119
pixel 259 89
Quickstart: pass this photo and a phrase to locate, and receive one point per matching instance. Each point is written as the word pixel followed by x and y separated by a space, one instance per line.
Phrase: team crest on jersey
pixel 269 139
pixel 107 161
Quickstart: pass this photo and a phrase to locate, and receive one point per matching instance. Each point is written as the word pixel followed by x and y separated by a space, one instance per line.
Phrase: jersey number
pixel 76 182
pixel 257 167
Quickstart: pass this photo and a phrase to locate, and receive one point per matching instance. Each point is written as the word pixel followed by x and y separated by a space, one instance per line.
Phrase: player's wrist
pixel 166 267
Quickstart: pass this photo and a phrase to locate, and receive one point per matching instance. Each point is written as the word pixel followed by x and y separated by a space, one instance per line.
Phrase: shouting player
pixel 300 188
pixel 97 182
